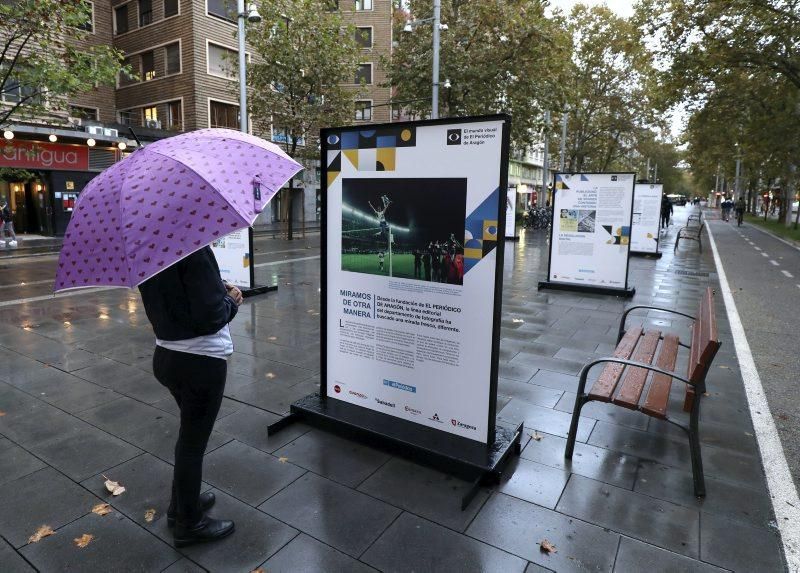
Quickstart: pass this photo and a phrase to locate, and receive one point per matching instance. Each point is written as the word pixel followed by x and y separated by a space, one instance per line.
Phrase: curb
pixel 789 242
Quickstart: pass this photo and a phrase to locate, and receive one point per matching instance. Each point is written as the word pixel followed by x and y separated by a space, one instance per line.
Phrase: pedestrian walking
pixel 741 207
pixel 417 263
pixel 189 308
pixel 7 224
pixel 666 211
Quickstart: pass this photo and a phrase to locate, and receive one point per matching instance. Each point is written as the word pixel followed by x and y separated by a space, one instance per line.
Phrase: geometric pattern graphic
pixel 368 149
pixel 480 234
pixel 620 237
pixel 561 181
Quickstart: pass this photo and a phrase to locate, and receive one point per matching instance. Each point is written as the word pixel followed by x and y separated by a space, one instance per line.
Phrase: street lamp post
pixel 436 20
pixel 545 158
pixel 251 15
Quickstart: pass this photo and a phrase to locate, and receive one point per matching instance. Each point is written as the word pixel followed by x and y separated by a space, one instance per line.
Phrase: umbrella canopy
pixel 165 201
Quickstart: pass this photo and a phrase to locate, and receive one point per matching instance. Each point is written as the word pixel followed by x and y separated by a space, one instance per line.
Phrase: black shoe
pixel 207 529
pixel 207 499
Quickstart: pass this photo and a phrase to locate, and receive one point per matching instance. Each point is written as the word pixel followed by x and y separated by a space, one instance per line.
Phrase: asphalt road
pixel 764 276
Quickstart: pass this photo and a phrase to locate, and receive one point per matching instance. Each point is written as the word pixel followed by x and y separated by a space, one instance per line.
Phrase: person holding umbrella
pixel 146 222
pixel 189 308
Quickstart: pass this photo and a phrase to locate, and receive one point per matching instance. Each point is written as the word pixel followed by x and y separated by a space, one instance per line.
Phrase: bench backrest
pixel 705 340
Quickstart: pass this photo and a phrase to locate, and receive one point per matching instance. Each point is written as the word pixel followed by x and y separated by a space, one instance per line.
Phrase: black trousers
pixel 197 383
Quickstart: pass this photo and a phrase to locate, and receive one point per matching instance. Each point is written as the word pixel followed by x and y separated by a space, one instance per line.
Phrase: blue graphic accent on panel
pixel 481 231
pixel 584 178
pixel 350 140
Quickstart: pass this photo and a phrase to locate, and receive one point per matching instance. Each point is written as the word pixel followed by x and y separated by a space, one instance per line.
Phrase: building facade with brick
pixel 178 52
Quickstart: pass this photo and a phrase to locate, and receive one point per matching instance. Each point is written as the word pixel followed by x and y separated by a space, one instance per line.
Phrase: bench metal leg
pixel 700 239
pixel 677 240
pixel 694 445
pixel 580 400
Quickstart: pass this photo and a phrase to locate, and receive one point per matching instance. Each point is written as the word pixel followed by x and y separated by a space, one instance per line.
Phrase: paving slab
pixel 431 494
pixel 15 462
pixel 634 555
pixel 248 474
pixel 651 520
pixel 534 482
pixel 118 545
pixel 518 527
pixel 257 537
pixel 305 554
pixel 414 544
pixel 590 461
pixel 339 516
pixel 45 497
pixel 336 458
pixel 12 561
pixel 249 426
pixel 739 547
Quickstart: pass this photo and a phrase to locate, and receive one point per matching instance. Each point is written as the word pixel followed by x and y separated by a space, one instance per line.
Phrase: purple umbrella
pixel 166 201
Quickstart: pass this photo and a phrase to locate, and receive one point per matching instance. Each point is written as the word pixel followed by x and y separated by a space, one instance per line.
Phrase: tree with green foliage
pixel 44 59
pixel 500 56
pixel 735 66
pixel 607 91
pixel 302 55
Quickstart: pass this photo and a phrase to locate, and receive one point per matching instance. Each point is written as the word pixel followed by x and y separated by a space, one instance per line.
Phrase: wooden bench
pixel 624 378
pixel 692 231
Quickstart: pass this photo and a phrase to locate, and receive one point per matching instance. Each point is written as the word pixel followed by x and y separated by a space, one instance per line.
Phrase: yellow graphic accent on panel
pixel 367 150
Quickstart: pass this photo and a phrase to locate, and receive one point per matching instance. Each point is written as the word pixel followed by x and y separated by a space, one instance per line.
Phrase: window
pixel 121 19
pixel 175 115
pixel 364 37
pixel 150 117
pixel 224 9
pixel 170 8
pixel 363 5
pixel 145 12
pixel 220 60
pixel 172 57
pixel 364 74
pixel 224 115
pixel 363 111
pixel 148 66
pixel 396 113
pixel 88 26
pixel 280 135
pixel 79 112
pixel 126 79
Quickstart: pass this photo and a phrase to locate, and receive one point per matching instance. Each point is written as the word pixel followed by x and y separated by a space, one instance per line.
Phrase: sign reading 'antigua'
pixel 35 155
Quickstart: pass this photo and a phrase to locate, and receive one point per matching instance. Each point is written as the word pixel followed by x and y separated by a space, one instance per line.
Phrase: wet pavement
pixel 78 401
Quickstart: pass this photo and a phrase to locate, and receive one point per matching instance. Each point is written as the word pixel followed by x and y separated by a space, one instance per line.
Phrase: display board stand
pixel 255 289
pixel 423 388
pixel 592 214
pixel 466 459
pixel 646 223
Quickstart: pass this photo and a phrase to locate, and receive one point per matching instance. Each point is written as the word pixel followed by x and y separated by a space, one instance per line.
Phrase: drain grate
pixel 691 273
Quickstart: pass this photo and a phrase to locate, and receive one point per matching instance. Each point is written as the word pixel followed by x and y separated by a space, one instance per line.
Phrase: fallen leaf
pixel 101 509
pixel 283 460
pixel 114 487
pixel 259 570
pixel 270 375
pixel 149 515
pixel 515 320
pixel 272 338
pixel 725 367
pixel 546 547
pixel 83 540
pixel 537 436
pixel 2 413
pixel 43 531
pixel 706 394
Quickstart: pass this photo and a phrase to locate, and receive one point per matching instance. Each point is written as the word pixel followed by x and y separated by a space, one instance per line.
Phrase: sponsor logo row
pixel 406 408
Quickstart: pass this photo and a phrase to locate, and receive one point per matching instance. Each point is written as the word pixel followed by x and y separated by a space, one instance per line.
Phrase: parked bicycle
pixel 538 218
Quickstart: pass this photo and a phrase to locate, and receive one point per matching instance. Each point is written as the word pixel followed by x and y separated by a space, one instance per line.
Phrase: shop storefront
pixel 41 181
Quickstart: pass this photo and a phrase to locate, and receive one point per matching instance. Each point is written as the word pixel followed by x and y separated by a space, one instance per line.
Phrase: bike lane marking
pixel 783 493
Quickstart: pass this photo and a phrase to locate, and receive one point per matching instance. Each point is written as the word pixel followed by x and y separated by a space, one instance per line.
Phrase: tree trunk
pixel 289 209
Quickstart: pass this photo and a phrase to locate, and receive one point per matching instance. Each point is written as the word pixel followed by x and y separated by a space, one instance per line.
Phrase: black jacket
pixel 188 299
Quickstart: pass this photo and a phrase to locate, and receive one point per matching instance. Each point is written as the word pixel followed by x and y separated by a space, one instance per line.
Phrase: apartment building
pixel 178 51
pixel 373 33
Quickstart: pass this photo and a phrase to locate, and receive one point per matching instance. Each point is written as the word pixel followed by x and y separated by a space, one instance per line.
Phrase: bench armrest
pixel 621 331
pixel 590 365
